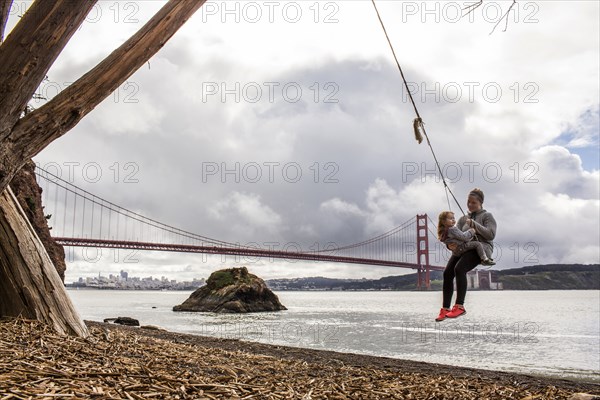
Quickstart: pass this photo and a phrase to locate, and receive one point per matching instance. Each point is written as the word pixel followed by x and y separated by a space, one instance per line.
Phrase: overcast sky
pixel 311 87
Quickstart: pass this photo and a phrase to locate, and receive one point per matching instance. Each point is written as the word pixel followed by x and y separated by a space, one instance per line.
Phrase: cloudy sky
pixel 309 87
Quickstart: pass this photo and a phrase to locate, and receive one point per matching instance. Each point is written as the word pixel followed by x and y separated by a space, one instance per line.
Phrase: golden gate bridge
pixel 82 219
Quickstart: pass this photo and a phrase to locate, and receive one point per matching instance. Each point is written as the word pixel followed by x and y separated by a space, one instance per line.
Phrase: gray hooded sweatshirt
pixel 485 225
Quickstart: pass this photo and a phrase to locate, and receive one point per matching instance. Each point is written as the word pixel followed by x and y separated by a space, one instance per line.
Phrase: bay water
pixel 549 333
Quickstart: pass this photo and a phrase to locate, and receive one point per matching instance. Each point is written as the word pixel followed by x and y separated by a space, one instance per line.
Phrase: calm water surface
pixel 553 333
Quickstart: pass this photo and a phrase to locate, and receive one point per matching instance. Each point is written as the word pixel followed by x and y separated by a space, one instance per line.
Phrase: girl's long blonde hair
pixel 442 230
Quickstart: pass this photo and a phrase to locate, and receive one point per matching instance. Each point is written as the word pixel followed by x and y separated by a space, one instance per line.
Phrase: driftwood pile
pixel 36 363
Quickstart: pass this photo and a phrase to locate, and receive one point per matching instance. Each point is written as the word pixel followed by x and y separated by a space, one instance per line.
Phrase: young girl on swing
pixel 448 233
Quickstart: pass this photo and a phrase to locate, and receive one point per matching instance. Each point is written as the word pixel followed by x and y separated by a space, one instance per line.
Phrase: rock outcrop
pixel 123 321
pixel 29 195
pixel 232 290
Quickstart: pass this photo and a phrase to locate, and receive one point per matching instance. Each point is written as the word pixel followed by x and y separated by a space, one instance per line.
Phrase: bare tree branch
pixel 505 16
pixel 30 50
pixel 473 6
pixel 4 12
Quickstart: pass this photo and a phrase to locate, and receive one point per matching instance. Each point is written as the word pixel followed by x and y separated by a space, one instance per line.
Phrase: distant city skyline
pixel 122 280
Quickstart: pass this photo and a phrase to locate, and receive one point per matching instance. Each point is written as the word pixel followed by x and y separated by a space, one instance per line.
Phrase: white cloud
pixel 386 207
pixel 564 207
pixel 246 214
pixel 341 207
pixel 558 170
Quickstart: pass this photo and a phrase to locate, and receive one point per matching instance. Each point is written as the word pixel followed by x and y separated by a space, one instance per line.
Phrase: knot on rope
pixel 418 128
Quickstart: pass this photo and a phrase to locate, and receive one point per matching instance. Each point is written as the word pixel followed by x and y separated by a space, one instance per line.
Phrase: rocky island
pixel 232 290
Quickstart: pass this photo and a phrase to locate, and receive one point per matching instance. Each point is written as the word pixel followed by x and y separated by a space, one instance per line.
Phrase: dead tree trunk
pixel 29 283
pixel 29 194
pixel 25 57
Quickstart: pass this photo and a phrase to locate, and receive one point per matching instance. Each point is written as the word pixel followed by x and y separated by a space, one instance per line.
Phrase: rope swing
pixel 418 125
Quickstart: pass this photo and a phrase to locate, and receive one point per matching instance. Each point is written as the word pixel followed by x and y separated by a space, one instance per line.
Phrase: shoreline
pixel 362 360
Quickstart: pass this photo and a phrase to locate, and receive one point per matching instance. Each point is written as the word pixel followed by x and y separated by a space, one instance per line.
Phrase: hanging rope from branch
pixel 418 125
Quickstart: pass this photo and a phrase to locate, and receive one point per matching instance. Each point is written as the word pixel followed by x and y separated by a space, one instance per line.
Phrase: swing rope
pixel 418 124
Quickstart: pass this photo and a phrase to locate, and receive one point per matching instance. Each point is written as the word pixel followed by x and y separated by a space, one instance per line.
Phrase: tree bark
pixel 29 284
pixel 29 194
pixel 39 128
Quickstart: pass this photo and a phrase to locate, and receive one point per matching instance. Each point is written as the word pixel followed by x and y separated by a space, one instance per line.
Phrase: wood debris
pixel 36 363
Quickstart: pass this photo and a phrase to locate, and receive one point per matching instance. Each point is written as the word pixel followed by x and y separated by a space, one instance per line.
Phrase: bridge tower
pixel 422 252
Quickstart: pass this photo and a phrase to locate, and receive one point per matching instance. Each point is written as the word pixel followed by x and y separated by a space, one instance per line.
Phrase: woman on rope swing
pixel 484 224
pixel 479 219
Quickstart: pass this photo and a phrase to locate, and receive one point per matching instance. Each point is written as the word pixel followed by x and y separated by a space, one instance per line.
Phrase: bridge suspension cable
pixel 87 220
pixel 112 207
pixel 387 234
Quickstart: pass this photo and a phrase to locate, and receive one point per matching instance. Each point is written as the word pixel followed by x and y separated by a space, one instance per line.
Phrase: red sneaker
pixel 456 311
pixel 443 313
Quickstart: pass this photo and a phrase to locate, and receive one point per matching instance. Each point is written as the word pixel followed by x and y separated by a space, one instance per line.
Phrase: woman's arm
pixel 487 230
pixel 455 233
pixel 460 224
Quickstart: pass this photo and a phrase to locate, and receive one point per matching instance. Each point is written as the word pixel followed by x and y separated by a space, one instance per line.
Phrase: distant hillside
pixel 401 282
pixel 551 277
pixel 537 277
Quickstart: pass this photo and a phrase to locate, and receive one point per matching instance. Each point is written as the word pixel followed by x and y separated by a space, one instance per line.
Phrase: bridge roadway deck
pixel 238 251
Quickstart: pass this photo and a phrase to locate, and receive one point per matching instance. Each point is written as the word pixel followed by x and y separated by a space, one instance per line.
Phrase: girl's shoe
pixel 456 311
pixel 488 261
pixel 442 316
